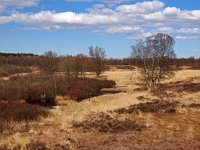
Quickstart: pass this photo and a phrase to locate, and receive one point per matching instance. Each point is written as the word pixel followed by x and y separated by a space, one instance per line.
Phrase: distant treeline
pixel 17 54
pixel 132 61
pixel 30 59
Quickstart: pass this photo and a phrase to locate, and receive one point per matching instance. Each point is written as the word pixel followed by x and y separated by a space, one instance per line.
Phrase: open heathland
pixel 134 117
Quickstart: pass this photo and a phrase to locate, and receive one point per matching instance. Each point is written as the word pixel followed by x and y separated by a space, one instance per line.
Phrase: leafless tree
pixel 79 64
pixel 98 55
pixel 73 66
pixel 154 56
pixel 50 62
pixel 66 65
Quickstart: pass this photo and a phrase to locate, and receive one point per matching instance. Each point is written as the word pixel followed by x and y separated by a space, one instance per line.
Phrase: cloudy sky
pixel 71 26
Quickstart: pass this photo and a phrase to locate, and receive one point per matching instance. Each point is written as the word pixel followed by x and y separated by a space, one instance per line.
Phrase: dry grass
pixel 156 106
pixel 177 130
pixel 165 132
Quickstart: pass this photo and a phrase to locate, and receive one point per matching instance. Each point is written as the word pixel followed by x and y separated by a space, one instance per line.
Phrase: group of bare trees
pixel 154 56
pixel 75 65
pixel 97 55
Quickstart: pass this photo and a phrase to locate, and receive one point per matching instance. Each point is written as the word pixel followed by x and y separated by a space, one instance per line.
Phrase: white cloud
pixel 140 36
pixel 124 29
pixel 115 1
pixel 171 11
pixel 106 1
pixel 21 3
pixel 2 8
pixel 136 20
pixel 99 6
pixel 141 8
pixel 189 30
pixel 180 37
pixel 167 30
pixel 66 18
pixel 18 3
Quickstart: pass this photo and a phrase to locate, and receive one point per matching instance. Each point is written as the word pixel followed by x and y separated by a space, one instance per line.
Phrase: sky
pixel 71 26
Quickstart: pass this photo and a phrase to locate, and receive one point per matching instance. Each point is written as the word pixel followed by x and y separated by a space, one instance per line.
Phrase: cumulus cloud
pixel 106 1
pixel 171 11
pixel 64 18
pixel 21 3
pixel 167 30
pixel 136 20
pixel 189 30
pixel 18 3
pixel 180 37
pixel 141 8
pixel 142 35
pixel 124 29
pixel 2 8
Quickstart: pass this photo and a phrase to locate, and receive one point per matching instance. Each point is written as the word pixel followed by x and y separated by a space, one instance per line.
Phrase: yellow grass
pixel 57 129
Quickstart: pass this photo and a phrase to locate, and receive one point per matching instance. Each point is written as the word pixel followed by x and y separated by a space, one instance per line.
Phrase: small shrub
pixel 85 88
pixel 4 147
pixel 105 123
pixel 21 112
pixel 78 94
pixel 47 100
pixel 36 145
pixel 107 83
pixel 50 100
pixel 156 106
pixel 175 88
pixel 8 70
pixel 126 67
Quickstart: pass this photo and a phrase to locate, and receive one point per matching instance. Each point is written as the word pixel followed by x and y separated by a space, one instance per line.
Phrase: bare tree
pixel 98 55
pixel 79 64
pixel 50 62
pixel 154 56
pixel 66 65
pixel 73 66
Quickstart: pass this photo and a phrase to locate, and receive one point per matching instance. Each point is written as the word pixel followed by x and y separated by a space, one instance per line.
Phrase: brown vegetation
pixel 171 89
pixel 156 106
pixel 134 118
pixel 105 123
pixel 21 112
pixel 42 89
pixel 8 70
pixel 37 145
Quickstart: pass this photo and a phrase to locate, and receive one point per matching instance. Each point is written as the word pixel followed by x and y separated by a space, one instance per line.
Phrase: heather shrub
pixel 107 84
pixel 78 94
pixel 38 89
pixel 36 145
pixel 21 112
pixel 8 70
pixel 42 89
pixel 85 88
pixel 44 100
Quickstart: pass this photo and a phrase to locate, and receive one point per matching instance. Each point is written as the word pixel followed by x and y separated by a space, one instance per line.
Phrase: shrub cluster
pixel 42 89
pixel 21 112
pixel 105 123
pixel 86 87
pixel 7 70
pixel 36 89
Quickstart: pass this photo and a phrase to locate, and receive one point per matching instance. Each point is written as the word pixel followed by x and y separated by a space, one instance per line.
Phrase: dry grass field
pixel 164 118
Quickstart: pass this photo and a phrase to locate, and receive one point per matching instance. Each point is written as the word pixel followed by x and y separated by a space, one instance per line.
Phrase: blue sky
pixel 71 26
